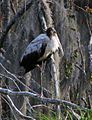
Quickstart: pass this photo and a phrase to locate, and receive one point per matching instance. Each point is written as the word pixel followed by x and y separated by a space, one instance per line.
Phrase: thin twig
pixel 81 69
pixel 74 113
pixel 2 75
pixel 32 81
pixel 9 106
pixel 14 76
pixel 41 105
pixel 17 111
pixel 80 8
pixel 84 100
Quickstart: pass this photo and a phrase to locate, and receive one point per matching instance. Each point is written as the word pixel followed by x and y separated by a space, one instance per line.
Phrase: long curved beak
pixel 60 46
pixel 61 49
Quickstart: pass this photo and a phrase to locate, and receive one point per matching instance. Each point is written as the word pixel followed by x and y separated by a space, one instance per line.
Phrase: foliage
pixel 66 114
pixel 86 115
pixel 88 9
pixel 69 64
pixel 45 116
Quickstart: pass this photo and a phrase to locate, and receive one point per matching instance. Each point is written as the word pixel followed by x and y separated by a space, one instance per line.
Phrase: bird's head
pixel 50 31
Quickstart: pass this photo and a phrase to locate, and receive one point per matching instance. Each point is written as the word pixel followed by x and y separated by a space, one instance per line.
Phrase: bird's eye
pixel 54 32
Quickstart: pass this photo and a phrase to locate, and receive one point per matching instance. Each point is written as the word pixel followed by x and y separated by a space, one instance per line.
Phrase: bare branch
pixel 80 8
pixel 10 107
pixel 81 69
pixel 42 99
pixel 78 117
pixel 42 106
pixel 46 92
pixel 13 21
pixel 17 111
pixel 5 76
pixel 14 77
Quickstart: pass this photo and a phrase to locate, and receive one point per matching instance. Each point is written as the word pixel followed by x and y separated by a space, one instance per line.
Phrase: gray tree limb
pixel 42 99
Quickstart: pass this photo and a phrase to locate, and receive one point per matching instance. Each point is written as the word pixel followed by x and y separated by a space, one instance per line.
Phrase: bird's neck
pixel 49 34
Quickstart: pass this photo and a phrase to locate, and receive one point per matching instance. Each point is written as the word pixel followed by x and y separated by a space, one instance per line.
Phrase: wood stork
pixel 40 49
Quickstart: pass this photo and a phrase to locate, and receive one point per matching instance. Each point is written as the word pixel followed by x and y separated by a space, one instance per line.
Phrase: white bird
pixel 40 49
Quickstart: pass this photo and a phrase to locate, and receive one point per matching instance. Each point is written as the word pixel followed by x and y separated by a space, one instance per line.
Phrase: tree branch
pixel 42 99
pixel 37 87
pixel 13 21
pixel 9 107
pixel 15 78
pixel 82 70
pixel 17 111
pixel 46 92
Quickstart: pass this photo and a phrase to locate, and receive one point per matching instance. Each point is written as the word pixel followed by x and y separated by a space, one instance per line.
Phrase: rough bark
pixel 5 20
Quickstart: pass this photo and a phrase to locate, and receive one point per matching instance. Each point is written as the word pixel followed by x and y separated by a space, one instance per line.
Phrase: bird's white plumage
pixel 52 46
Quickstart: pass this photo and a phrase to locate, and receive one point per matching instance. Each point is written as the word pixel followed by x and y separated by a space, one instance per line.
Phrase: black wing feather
pixel 30 61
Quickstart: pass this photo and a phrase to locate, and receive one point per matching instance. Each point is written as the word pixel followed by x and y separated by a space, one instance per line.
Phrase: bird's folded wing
pixel 37 47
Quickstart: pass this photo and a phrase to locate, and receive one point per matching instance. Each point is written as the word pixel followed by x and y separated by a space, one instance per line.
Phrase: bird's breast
pixel 51 47
pixel 53 44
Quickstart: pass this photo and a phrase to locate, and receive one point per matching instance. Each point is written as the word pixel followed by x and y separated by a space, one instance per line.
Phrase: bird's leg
pixel 42 73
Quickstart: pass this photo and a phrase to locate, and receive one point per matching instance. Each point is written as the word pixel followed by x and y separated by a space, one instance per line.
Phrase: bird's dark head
pixel 50 31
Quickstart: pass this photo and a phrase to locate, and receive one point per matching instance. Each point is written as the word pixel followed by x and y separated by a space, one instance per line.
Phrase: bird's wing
pixel 36 48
